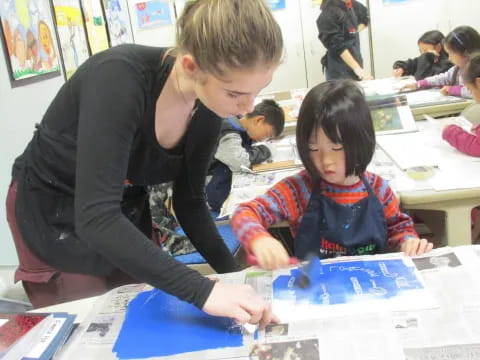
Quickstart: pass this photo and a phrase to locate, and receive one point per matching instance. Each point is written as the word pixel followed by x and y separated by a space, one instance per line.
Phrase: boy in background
pixel 236 150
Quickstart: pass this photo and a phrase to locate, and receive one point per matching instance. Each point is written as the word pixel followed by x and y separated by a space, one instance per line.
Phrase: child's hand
pixel 444 90
pixel 415 246
pixel 397 72
pixel 270 253
pixel 409 87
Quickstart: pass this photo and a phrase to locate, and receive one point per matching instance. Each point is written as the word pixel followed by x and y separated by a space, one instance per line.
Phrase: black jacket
pixel 425 65
pixel 338 30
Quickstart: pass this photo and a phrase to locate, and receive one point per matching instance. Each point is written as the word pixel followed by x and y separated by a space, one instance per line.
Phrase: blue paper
pixel 158 324
pixel 347 282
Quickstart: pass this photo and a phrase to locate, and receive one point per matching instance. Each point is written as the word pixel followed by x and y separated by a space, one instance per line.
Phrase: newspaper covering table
pixel 446 331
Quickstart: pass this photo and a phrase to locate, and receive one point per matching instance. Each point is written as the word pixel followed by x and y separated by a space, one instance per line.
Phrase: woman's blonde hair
pixel 229 34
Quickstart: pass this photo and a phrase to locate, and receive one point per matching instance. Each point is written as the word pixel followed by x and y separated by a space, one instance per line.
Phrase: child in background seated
pixel 334 207
pixel 432 61
pixel 236 150
pixel 460 43
pixel 468 143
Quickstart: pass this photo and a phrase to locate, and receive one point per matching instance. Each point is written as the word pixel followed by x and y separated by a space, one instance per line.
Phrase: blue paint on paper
pixel 158 324
pixel 276 4
pixel 347 282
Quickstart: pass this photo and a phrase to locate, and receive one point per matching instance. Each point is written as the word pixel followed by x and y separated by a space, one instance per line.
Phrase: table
pixel 446 326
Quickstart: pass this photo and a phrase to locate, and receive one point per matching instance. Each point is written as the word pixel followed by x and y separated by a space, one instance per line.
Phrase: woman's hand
pixel 362 74
pixel 270 253
pixel 239 302
pixel 398 72
pixel 415 246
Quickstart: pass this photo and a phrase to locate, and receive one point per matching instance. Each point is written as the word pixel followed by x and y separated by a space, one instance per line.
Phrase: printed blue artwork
pixel 153 13
pixel 157 324
pixel 348 282
pixel 276 4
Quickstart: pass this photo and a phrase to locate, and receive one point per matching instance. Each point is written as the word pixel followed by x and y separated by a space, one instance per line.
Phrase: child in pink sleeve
pixel 466 142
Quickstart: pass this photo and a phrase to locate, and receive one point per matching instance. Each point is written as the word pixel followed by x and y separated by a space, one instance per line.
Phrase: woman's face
pixel 233 93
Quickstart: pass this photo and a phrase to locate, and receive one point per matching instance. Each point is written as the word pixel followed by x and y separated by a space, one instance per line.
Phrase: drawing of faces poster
pixel 118 21
pixel 153 13
pixel 95 24
pixel 29 40
pixel 71 34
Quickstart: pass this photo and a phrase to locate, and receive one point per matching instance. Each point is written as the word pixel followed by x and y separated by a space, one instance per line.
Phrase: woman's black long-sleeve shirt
pixel 81 199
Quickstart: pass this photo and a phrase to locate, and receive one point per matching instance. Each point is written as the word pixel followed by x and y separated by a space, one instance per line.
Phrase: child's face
pixel 474 89
pixel 259 130
pixel 329 159
pixel 455 58
pixel 424 47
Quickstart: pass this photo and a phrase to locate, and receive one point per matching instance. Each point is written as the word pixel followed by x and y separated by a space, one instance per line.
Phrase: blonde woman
pixel 129 117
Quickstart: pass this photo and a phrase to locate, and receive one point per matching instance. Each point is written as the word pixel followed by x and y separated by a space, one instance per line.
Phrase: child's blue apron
pixel 330 229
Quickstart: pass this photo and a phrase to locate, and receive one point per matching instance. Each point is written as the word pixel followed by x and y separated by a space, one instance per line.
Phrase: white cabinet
pixel 463 12
pixel 291 73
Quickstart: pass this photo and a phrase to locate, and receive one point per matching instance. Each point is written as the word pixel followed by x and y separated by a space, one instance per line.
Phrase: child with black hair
pixel 459 44
pixel 236 151
pixel 334 207
pixel 432 61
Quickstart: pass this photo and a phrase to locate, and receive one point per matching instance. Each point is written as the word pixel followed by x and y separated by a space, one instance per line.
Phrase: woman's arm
pixel 108 121
pixel 189 192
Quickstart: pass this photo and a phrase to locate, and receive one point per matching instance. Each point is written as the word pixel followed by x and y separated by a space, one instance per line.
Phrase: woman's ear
pixel 477 83
pixel 189 65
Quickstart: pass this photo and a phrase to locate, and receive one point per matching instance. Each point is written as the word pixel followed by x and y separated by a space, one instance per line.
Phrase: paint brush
pixel 304 280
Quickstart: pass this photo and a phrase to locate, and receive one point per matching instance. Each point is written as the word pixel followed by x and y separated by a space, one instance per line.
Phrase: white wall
pixel 20 109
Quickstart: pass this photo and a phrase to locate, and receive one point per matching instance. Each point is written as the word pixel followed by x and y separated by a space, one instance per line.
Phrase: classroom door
pixel 291 73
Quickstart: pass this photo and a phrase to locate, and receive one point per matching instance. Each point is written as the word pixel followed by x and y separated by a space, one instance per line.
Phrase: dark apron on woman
pixel 329 229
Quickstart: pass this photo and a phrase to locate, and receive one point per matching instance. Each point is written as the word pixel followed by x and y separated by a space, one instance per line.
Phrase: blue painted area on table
pixel 158 324
pixel 348 282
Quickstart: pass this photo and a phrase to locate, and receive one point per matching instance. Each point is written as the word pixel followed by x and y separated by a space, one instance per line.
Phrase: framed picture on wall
pixel 29 41
pixel 118 21
pixel 152 13
pixel 95 24
pixel 71 34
